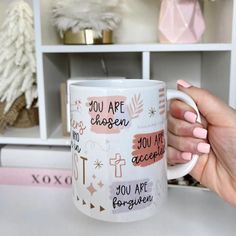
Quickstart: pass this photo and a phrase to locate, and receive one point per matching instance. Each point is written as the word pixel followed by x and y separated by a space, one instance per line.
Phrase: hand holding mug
pixel 216 165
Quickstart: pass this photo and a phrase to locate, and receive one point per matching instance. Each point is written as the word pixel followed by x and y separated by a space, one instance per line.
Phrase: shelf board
pixel 21 133
pixel 20 136
pixel 58 139
pixel 31 136
pixel 136 48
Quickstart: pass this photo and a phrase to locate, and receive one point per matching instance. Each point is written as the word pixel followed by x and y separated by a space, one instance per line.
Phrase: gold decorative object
pixel 87 37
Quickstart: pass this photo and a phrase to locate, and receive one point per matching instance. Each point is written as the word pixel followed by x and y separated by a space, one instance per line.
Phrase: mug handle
pixel 177 171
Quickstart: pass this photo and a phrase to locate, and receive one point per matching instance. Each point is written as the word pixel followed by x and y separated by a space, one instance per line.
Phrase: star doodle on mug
pixel 100 184
pixel 91 189
pixel 95 181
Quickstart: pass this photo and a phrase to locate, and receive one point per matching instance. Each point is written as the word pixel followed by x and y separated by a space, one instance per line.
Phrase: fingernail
pixel 200 133
pixel 203 148
pixel 183 83
pixel 190 116
pixel 186 156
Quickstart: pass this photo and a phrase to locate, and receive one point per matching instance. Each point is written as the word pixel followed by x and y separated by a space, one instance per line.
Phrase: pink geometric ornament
pixel 181 21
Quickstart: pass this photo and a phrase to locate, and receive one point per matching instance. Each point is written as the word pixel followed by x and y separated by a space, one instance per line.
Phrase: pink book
pixel 35 177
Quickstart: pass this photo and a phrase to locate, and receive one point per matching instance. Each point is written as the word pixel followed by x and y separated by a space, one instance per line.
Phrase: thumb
pixel 214 110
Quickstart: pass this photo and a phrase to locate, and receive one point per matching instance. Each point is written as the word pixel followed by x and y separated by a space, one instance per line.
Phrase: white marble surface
pixel 49 211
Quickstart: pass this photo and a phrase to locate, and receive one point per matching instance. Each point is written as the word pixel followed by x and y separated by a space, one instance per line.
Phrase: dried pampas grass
pixel 77 15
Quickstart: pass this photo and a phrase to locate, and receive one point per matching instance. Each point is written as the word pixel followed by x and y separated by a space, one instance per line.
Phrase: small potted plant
pixel 85 21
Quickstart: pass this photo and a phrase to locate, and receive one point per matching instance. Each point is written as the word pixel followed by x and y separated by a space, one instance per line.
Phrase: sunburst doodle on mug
pixel 152 112
pixel 98 164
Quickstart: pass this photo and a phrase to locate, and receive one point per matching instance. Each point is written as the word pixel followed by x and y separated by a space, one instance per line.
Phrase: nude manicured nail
pixel 190 117
pixel 183 83
pixel 187 156
pixel 200 133
pixel 203 148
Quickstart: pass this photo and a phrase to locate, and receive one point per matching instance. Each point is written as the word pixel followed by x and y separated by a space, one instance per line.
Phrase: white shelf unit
pixel 209 64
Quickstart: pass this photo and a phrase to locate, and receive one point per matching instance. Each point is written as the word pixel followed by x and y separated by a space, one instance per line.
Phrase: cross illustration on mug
pixel 117 162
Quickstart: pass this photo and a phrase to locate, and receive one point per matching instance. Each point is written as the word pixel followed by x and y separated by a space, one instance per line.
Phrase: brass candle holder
pixel 87 37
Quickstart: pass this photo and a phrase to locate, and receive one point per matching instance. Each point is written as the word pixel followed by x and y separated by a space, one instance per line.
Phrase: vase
pixel 180 21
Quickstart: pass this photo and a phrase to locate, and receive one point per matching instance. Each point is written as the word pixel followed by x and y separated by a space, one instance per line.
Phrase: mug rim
pixel 117 84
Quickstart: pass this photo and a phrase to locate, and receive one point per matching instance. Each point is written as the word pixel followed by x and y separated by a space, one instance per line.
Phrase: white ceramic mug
pixel 119 147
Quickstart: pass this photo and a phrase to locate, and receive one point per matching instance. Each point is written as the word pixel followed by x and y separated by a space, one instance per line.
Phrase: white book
pixel 56 157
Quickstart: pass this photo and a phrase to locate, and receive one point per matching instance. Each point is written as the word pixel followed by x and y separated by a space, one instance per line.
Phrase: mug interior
pixel 119 83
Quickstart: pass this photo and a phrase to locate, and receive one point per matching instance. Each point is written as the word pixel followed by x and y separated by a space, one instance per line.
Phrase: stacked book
pixel 35 166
